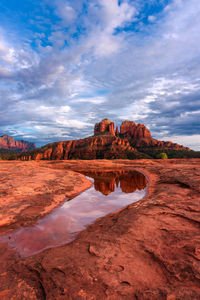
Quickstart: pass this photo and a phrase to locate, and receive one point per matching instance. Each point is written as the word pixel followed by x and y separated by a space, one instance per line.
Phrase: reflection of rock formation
pixel 129 181
pixel 105 187
pixel 132 181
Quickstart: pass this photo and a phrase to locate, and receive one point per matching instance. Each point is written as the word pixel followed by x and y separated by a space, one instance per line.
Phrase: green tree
pixel 162 155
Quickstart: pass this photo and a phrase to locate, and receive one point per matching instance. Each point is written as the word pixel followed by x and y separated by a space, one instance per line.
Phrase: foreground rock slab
pixel 29 190
pixel 148 250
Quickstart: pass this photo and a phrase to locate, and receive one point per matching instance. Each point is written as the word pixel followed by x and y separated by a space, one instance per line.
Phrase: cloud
pixel 110 16
pixel 102 59
pixel 151 18
pixel 191 141
pixel 66 13
pixel 93 100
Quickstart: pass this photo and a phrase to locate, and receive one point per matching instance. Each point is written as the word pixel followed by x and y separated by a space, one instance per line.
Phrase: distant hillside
pixel 10 144
pixel 132 141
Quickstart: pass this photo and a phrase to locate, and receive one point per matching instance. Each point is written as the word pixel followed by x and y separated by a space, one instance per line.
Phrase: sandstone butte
pixel 107 143
pixel 147 250
pixel 9 143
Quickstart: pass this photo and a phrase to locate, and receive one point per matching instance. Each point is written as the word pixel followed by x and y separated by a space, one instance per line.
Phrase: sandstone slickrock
pixel 132 142
pixel 28 192
pixel 148 250
pixel 9 143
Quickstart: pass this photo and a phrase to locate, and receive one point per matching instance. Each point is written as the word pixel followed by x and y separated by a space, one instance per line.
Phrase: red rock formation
pixel 100 146
pixel 105 181
pixel 134 141
pixel 105 187
pixel 131 130
pixel 130 182
pixel 9 143
pixel 105 126
pixel 140 137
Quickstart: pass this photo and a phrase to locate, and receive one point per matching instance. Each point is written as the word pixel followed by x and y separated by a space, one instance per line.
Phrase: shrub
pixel 162 155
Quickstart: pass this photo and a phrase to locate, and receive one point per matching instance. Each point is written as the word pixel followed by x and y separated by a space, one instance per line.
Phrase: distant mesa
pixel 132 141
pixel 9 143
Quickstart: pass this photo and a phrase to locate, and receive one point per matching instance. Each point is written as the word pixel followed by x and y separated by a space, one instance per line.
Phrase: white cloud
pixel 191 141
pixel 66 13
pixel 93 100
pixel 151 18
pixel 4 72
pixel 105 44
pixel 150 75
pixel 110 15
pixel 72 123
pixel 114 15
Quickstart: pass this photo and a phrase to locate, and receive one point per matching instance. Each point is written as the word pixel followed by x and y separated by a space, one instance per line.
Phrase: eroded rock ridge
pixel 131 141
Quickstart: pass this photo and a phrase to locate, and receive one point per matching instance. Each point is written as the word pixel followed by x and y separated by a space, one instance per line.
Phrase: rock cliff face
pixel 132 141
pixel 135 131
pixel 9 143
pixel 106 146
pixel 105 126
pixel 140 137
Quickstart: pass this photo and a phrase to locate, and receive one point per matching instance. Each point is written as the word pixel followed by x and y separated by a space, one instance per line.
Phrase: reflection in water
pixel 64 223
pixel 129 181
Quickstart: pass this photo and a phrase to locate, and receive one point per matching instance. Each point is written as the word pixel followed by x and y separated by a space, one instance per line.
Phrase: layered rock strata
pixel 134 131
pixel 107 147
pixel 130 142
pixel 140 137
pixel 105 126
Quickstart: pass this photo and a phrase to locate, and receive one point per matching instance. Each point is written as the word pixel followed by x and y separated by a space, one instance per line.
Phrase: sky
pixel 65 65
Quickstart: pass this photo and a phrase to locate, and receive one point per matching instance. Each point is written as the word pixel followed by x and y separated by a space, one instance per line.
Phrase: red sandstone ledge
pixel 149 250
pixel 30 190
